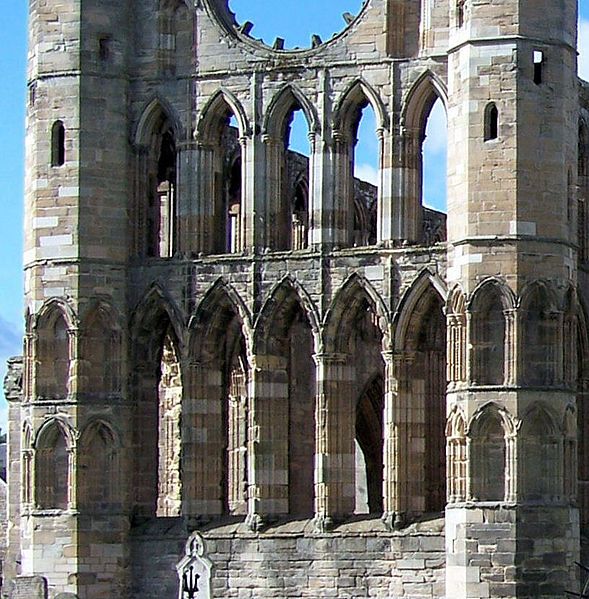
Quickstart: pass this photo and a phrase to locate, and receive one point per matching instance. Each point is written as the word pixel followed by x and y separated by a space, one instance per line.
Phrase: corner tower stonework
pixel 512 526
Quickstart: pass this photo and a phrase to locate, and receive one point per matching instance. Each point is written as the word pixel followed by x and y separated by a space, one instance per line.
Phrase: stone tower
pixel 247 362
pixel 513 118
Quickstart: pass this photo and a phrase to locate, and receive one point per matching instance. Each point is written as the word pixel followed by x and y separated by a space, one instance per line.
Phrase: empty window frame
pixel 58 144
pixel 491 122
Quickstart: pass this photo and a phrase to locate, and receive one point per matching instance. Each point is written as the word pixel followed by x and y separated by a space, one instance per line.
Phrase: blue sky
pixel 322 17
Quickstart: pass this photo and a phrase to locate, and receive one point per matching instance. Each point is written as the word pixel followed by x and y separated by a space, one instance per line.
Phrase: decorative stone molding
pixel 194 570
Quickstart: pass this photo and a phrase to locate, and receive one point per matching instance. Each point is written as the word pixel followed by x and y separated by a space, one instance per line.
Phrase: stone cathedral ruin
pixel 247 374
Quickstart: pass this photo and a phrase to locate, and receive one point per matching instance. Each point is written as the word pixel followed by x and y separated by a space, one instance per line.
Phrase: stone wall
pixel 290 561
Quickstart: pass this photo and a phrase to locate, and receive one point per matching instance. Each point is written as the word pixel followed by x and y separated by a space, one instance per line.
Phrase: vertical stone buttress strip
pixel 335 457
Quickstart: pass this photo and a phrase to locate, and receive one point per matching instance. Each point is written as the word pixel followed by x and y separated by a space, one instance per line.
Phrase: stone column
pixel 202 440
pixel 406 200
pixel 267 440
pixel 335 451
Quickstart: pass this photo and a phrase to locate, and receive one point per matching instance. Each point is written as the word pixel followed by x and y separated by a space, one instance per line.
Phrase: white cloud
pixel 584 49
pixel 366 172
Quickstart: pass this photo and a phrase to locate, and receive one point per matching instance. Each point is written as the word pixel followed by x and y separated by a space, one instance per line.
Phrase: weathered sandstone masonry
pixel 248 363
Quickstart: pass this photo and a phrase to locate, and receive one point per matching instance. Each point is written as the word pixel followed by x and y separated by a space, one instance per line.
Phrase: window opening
pixel 161 240
pixel 369 448
pixel 538 66
pixel 104 48
pixel 58 144
pixel 301 406
pixel 365 169
pixel 232 190
pixel 491 122
pixel 297 173
pixel 434 152
pixel 169 411
pixel 460 10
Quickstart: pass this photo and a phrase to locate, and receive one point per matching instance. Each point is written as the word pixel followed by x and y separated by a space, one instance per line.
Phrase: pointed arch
pixel 55 329
pixel 456 335
pixel 355 295
pixel 220 226
pixel 488 431
pixel 284 298
pixel 217 108
pixel 358 94
pixel 217 402
pixel 420 344
pixel 53 445
pixel 51 426
pixel 414 304
pixel 157 186
pixel 26 435
pixel 156 111
pixel 420 100
pixel 285 340
pixel 53 306
pixel 155 304
pixel 287 99
pixel 27 462
pixel 156 326
pixel 220 304
pixel 542 290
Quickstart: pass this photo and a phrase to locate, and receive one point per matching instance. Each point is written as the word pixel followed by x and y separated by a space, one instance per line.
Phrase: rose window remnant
pixel 297 25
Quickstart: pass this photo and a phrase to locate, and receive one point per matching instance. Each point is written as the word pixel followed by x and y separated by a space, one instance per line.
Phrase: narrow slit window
pixel 58 144
pixel 104 48
pixel 538 66
pixel 460 6
pixel 491 122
